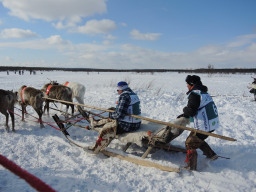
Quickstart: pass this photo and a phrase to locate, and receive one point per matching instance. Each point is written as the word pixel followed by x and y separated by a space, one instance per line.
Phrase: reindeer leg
pixel 46 107
pixel 40 113
pixel 13 122
pixel 23 108
pixel 40 120
pixel 66 114
pixel 6 122
pixel 79 100
pixel 72 108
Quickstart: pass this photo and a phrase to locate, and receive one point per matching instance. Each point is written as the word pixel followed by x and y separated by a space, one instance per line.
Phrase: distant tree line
pixel 210 69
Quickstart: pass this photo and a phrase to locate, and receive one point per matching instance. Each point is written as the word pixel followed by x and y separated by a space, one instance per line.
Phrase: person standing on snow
pixel 203 111
pixel 253 88
pixel 118 121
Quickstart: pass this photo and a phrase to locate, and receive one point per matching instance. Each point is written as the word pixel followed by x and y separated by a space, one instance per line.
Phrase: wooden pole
pixel 141 162
pixel 151 120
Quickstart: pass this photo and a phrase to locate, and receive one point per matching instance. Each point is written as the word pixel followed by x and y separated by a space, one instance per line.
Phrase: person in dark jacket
pixel 118 121
pixel 203 112
pixel 253 88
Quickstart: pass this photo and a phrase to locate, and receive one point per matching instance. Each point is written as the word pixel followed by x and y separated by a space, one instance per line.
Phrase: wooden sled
pixel 124 138
pixel 141 137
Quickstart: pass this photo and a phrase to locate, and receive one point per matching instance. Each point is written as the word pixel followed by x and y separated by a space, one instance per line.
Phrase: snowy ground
pixel 47 154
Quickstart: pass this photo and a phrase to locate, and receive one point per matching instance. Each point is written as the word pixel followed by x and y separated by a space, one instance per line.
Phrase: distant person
pixel 203 111
pixel 253 88
pixel 118 121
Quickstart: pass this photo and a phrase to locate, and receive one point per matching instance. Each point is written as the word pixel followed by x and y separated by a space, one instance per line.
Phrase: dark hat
pixel 193 79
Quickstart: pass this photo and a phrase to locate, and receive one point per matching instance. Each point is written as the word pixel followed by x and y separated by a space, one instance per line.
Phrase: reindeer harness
pixel 22 92
pixel 48 89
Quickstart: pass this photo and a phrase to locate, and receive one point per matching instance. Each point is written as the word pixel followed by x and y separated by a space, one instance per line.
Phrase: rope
pixel 35 118
pixel 32 180
pixel 44 121
pixel 48 123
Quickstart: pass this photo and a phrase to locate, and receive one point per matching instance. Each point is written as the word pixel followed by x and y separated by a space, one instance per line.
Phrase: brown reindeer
pixel 59 92
pixel 7 102
pixel 78 90
pixel 33 97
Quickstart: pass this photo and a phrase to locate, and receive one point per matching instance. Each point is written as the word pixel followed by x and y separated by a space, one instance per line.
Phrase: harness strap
pixel 48 89
pixel 66 84
pixel 21 94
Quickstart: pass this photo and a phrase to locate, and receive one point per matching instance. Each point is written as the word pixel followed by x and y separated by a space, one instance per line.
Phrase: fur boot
pixel 98 123
pixel 107 134
pixel 191 160
pixel 207 151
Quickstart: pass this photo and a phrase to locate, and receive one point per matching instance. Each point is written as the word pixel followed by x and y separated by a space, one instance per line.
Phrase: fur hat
pixel 193 79
pixel 122 85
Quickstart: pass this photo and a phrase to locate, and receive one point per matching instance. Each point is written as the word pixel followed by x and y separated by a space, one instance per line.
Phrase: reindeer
pixel 78 90
pixel 7 102
pixel 59 92
pixel 33 97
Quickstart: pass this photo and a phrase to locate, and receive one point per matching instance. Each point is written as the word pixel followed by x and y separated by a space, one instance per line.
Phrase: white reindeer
pixel 78 91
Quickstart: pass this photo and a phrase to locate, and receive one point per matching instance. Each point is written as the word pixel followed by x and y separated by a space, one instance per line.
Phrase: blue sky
pixel 128 34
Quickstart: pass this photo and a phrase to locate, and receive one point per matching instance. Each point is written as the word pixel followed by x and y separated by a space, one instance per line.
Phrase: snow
pixel 47 154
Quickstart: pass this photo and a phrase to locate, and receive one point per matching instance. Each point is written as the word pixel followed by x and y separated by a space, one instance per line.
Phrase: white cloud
pixel 97 27
pixel 55 10
pixel 135 34
pixel 207 50
pixel 56 39
pixel 123 24
pixel 52 42
pixel 109 37
pixel 242 40
pixel 127 56
pixel 67 24
pixel 16 33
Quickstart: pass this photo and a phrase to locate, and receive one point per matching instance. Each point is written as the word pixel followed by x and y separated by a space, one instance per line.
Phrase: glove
pixel 182 115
